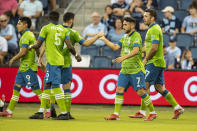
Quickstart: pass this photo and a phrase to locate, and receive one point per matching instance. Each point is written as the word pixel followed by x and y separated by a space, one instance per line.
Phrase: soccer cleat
pixel 5 114
pixel 151 117
pixel 177 113
pixel 70 116
pixel 53 112
pixel 47 115
pixel 38 115
pixel 62 117
pixel 137 115
pixel 112 117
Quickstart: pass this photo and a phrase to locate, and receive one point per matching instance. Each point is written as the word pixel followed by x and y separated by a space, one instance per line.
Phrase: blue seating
pixel 164 3
pixel 194 53
pixel 166 39
pixel 91 50
pixel 184 4
pixel 185 40
pixel 102 62
pixel 106 51
pixel 181 14
pixel 160 16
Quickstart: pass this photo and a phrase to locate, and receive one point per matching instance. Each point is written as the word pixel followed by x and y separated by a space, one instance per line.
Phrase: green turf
pixel 90 118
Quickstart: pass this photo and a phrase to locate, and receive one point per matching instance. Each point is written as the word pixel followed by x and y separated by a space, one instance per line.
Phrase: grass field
pixel 90 118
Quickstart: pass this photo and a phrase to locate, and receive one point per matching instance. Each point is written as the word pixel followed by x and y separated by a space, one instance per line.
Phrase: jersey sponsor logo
pixel 26 91
pixel 107 86
pixel 190 89
pixel 154 95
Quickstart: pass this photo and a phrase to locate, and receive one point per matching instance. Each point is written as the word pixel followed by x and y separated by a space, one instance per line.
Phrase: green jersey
pixel 28 61
pixel 133 64
pixel 154 36
pixel 54 37
pixel 74 38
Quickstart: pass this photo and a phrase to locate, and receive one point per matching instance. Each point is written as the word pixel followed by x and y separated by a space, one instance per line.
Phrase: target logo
pixel 76 86
pixel 154 95
pixel 107 86
pixel 190 88
pixel 27 92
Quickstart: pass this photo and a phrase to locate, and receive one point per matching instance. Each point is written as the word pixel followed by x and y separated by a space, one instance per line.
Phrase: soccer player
pixel 54 36
pixel 155 64
pixel 132 68
pixel 26 75
pixel 75 37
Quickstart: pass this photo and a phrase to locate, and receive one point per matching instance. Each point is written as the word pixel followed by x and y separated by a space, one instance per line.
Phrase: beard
pixel 127 31
pixel 71 25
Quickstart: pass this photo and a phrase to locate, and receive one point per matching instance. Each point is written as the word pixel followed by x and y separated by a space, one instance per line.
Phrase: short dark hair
pixel 110 6
pixel 152 12
pixel 193 5
pixel 54 16
pixel 130 20
pixel 26 20
pixel 68 16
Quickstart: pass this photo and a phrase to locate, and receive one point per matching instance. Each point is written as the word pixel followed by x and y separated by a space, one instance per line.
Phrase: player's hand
pixel 118 60
pixel 42 66
pixel 145 61
pixel 11 62
pixel 30 47
pixel 101 34
pixel 102 38
pixel 78 58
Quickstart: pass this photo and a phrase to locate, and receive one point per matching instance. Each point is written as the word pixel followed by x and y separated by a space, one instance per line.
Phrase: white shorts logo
pixel 27 92
pixel 191 88
pixel 110 86
pixel 154 95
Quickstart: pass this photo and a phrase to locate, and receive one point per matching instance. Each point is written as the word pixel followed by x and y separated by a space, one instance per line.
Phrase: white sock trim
pixel 9 111
pixel 177 107
pixel 41 110
pixel 143 112
pixel 116 113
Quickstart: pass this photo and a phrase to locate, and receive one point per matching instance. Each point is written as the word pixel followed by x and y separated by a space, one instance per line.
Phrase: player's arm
pixel 134 52
pixel 92 40
pixel 40 61
pixel 152 52
pixel 22 53
pixel 37 45
pixel 110 44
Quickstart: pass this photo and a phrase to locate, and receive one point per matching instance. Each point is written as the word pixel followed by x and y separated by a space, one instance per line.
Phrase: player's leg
pixel 138 83
pixel 178 110
pixel 2 102
pixel 122 84
pixel 19 82
pixel 66 80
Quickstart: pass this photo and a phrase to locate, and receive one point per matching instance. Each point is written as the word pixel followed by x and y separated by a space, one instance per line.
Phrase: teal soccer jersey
pixel 154 36
pixel 54 37
pixel 74 38
pixel 28 61
pixel 134 64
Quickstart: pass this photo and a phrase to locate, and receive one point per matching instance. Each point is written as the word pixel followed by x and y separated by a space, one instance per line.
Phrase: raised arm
pixel 110 44
pixel 92 40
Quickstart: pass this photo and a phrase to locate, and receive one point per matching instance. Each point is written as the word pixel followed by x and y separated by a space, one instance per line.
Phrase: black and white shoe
pixel 38 115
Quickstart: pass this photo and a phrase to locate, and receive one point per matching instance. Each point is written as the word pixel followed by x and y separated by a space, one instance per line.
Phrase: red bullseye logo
pixel 190 88
pixel 154 95
pixel 27 91
pixel 76 86
pixel 107 86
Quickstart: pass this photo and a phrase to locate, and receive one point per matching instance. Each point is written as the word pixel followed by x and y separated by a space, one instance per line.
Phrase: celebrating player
pixel 155 64
pixel 26 75
pixel 132 69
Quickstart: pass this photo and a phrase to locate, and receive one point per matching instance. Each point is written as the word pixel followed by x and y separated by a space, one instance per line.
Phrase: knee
pixel 17 87
pixel 159 88
pixel 67 86
pixel 141 92
pixel 119 90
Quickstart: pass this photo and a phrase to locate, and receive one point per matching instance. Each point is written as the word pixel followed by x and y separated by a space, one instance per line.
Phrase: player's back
pixel 27 61
pixel 154 35
pixel 54 36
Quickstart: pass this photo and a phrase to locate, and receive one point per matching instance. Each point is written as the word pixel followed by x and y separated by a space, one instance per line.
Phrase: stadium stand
pixel 102 62
pixel 164 3
pixel 184 40
pixel 106 51
pixel 184 4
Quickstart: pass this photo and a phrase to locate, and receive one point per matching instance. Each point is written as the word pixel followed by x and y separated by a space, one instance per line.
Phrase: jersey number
pixel 138 81
pixel 57 38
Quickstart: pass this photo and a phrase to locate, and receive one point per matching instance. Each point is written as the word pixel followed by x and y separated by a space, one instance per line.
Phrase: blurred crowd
pixel 171 21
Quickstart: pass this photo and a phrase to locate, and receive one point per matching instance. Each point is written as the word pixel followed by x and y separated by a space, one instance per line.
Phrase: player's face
pixel 147 18
pixel 20 26
pixel 127 27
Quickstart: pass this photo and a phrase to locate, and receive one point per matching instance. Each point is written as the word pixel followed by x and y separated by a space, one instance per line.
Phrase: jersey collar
pixel 66 26
pixel 152 25
pixel 131 33
pixel 26 31
pixel 55 23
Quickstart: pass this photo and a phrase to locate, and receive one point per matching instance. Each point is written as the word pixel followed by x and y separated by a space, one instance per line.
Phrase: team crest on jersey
pixel 23 39
pixel 152 36
pixel 136 39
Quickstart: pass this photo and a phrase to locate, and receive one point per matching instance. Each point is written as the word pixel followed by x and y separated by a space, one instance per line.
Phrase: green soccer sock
pixel 45 99
pixel 143 105
pixel 169 97
pixel 118 103
pixel 38 92
pixel 14 100
pixel 148 102
pixel 68 99
pixel 59 96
